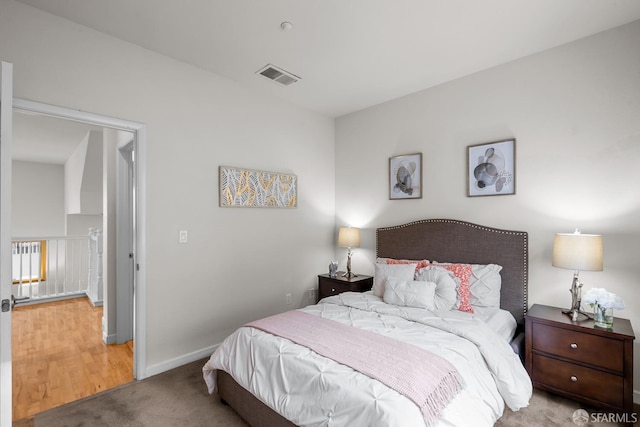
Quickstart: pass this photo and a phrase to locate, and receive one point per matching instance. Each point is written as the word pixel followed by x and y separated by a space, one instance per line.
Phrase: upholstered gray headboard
pixel 449 240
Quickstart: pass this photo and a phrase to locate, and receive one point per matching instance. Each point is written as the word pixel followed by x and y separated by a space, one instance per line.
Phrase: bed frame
pixel 448 240
pixel 443 240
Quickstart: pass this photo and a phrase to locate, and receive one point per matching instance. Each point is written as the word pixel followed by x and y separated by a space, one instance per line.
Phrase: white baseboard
pixel 109 339
pixel 179 361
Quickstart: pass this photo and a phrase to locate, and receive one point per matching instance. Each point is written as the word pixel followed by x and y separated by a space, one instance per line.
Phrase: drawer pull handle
pixel 574 378
pixel 574 345
pixel 333 289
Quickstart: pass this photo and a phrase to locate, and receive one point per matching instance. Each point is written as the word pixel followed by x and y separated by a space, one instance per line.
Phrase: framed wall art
pixel 405 177
pixel 491 168
pixel 249 188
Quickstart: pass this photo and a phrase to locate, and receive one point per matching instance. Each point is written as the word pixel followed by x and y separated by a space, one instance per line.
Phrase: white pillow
pixel 384 271
pixel 410 293
pixel 446 284
pixel 485 284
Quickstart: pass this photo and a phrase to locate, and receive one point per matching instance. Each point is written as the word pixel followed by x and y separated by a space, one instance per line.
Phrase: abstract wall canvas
pixel 405 177
pixel 257 189
pixel 491 168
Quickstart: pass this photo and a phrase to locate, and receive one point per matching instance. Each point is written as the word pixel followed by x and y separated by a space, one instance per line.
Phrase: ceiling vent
pixel 278 75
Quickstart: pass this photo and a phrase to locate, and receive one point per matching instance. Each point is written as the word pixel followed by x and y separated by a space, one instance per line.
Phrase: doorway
pixel 127 164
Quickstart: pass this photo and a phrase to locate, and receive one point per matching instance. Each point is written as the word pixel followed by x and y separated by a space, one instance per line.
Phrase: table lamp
pixel 349 237
pixel 576 251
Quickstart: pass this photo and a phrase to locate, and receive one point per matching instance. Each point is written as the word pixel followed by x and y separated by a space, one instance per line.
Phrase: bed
pixel 274 379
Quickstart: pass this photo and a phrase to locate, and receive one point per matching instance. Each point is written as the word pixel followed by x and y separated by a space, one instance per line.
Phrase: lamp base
pixel 348 274
pixel 576 299
pixel 574 314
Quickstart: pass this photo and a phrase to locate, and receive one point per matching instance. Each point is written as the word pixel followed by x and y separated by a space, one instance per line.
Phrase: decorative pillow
pixel 485 284
pixel 446 284
pixel 410 293
pixel 384 271
pixel 419 263
pixel 463 273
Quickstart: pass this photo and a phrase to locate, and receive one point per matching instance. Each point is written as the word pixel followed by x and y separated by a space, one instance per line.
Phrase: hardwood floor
pixel 59 356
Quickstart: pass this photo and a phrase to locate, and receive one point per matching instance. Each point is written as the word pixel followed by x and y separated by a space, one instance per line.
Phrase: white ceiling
pixel 45 139
pixel 351 54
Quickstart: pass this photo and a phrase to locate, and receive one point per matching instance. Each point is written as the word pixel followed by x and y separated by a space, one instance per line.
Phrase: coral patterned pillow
pixel 463 273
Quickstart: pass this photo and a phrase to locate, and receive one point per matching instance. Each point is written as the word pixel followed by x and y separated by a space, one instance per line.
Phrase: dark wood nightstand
pixel 328 286
pixel 579 361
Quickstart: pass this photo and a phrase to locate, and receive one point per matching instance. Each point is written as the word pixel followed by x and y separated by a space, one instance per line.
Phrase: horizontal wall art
pixel 491 168
pixel 247 188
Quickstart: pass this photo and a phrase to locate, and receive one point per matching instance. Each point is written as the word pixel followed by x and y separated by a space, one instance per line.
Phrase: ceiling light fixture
pixel 286 26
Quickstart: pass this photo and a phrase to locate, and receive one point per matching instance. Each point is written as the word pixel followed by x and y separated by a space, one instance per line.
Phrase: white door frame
pixel 6 126
pixel 140 289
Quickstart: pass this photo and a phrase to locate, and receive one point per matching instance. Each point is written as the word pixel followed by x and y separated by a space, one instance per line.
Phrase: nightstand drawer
pixel 333 288
pixel 328 286
pixel 579 380
pixel 578 346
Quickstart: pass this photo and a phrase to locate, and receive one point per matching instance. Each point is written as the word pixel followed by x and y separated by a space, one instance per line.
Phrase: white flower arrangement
pixel 602 299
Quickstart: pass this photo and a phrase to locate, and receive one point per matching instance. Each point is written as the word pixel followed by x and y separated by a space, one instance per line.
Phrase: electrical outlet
pixel 288 299
pixel 312 294
pixel 183 236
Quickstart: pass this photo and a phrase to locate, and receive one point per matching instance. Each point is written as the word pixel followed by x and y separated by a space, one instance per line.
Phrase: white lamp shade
pixel 349 237
pixel 576 251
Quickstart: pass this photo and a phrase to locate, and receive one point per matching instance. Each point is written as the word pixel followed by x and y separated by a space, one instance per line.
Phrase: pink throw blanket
pixel 426 378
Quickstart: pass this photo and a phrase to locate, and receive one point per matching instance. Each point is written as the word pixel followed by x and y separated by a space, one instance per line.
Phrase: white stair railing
pixel 49 267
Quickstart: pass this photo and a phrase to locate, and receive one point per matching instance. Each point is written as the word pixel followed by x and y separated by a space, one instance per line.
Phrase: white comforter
pixel 311 390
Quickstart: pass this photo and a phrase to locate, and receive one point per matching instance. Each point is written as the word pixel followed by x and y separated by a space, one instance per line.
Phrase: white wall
pixel 37 200
pixel 73 172
pixel 91 190
pixel 238 263
pixel 79 224
pixel 83 176
pixel 575 114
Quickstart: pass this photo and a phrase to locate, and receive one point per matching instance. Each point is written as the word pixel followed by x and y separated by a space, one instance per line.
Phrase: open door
pixel 6 112
pixel 125 223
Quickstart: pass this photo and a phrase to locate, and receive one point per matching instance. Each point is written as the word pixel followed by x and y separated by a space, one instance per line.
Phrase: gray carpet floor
pixel 179 398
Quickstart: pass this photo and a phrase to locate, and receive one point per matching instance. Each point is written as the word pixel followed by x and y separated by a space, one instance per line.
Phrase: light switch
pixel 183 236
